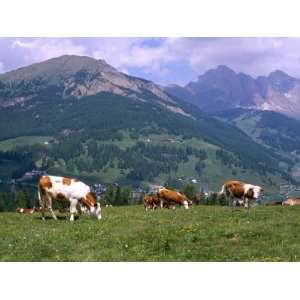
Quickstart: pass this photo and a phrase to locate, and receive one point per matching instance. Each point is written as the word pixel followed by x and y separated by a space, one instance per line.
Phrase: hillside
pixel 103 125
pixel 279 133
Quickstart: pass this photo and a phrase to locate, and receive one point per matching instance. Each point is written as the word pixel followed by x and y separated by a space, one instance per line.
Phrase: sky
pixel 162 60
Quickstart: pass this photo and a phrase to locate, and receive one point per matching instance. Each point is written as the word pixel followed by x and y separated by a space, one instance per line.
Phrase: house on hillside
pixel 99 189
pixel 32 174
pixel 137 194
pixel 153 189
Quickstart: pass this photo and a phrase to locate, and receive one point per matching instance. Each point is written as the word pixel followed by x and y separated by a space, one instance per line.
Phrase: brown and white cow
pixel 25 210
pixel 291 202
pixel 170 197
pixel 242 191
pixel 274 203
pixel 55 188
pixel 151 202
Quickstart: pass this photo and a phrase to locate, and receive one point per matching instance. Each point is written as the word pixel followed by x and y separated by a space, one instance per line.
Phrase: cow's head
pixel 254 192
pixel 94 206
pixel 96 210
pixel 257 191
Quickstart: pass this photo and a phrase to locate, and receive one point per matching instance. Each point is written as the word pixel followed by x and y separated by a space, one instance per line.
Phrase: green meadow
pixel 203 233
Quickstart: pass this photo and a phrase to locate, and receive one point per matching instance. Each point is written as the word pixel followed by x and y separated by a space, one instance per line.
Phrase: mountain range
pixel 78 116
pixel 223 89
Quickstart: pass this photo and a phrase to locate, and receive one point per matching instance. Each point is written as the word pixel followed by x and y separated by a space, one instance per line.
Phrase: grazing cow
pixel 291 202
pixel 25 210
pixel 52 188
pixel 172 197
pixel 151 202
pixel 242 191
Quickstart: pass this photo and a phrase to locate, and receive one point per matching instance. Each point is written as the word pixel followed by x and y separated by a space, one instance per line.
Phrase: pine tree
pixel 23 199
pixel 190 190
pixel 109 196
pixel 126 195
pixel 2 202
pixel 118 196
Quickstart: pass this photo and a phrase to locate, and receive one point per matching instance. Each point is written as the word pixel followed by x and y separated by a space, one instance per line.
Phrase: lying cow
pixel 54 188
pixel 151 202
pixel 25 210
pixel 274 203
pixel 170 197
pixel 291 202
pixel 243 192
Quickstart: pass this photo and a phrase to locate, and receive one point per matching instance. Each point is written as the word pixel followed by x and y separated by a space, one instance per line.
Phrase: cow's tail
pixel 223 190
pixel 39 196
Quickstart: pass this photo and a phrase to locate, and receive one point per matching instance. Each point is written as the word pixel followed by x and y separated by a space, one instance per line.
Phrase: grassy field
pixel 11 144
pixel 203 233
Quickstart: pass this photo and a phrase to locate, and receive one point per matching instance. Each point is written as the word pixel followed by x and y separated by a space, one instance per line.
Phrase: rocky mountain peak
pixel 77 76
pixel 221 89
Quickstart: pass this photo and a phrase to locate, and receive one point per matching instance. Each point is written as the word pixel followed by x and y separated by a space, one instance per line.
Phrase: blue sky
pixel 163 60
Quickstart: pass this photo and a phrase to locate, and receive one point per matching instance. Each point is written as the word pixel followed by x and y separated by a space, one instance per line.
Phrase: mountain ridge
pixel 76 76
pixel 222 89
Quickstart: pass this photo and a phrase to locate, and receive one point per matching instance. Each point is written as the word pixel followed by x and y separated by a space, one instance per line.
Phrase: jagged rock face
pixel 222 89
pixel 76 76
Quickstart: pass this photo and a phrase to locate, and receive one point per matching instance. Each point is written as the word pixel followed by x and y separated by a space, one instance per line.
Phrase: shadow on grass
pixel 59 218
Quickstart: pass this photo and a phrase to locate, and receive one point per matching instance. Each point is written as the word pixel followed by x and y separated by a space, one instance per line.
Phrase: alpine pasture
pixel 128 233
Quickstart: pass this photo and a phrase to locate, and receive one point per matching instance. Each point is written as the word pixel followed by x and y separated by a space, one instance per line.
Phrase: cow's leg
pixel 43 206
pixel 53 214
pixel 50 207
pixel 247 205
pixel 230 202
pixel 51 211
pixel 73 204
pixel 41 203
pixel 43 212
pixel 161 203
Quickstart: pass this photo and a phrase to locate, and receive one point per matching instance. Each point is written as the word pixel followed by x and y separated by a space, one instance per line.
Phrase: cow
pixel 25 210
pixel 243 192
pixel 172 197
pixel 151 202
pixel 291 202
pixel 56 188
pixel 274 203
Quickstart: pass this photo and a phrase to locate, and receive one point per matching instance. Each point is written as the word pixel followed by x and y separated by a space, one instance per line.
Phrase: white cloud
pixel 123 53
pixel 42 49
pixel 167 59
pixel 21 44
pixel 255 56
